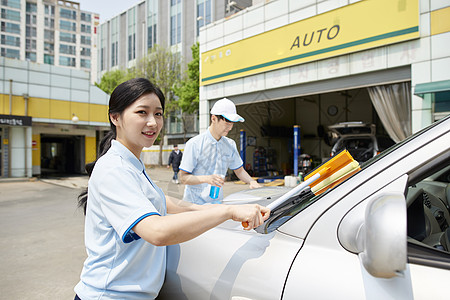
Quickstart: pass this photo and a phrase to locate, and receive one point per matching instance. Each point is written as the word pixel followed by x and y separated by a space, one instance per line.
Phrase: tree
pixel 188 89
pixel 111 79
pixel 163 68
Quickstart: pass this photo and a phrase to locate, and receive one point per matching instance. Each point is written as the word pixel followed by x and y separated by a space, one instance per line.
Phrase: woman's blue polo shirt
pixel 121 265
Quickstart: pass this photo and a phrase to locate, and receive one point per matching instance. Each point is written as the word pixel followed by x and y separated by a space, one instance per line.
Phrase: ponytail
pixel 103 147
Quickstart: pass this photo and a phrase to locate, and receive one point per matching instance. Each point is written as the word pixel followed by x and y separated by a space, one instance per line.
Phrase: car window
pixel 428 217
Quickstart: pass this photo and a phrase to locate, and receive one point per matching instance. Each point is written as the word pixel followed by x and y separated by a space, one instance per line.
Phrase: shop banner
pixel 359 26
pixel 11 120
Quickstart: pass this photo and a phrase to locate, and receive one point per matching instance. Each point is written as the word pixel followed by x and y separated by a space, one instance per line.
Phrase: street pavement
pixel 41 233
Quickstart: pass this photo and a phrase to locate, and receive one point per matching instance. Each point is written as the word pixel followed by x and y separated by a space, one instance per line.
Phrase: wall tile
pixel 276 9
pixel 440 69
pixel 302 14
pixel 276 23
pixel 420 72
pixel 440 45
pixel 252 31
pixel 254 17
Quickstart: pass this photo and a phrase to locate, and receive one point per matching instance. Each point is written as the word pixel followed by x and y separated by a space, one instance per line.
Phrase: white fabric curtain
pixel 393 105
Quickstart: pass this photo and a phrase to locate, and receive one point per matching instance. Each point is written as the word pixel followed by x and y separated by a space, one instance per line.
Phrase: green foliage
pixel 163 68
pixel 111 79
pixel 188 89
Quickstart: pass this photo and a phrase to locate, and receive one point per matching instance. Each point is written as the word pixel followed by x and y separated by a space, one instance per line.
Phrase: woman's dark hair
pixel 123 96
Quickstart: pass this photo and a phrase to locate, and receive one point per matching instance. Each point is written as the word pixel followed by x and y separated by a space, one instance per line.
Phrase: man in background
pixel 175 160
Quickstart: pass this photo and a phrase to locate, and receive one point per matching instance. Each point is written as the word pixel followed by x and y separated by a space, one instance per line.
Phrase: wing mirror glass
pixel 377 233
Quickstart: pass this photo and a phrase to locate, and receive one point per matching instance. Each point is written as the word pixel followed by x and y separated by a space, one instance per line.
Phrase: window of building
pixel 85 28
pixel 436 95
pixel 204 12
pixel 66 25
pixel 131 33
pixel 67 14
pixel 49 59
pixel 67 61
pixel 85 40
pixel 175 22
pixel 12 15
pixel 86 17
pixel 102 59
pixel 85 63
pixel 49 10
pixel 31 56
pixel 49 35
pixel 67 37
pixel 114 41
pixel 152 20
pixel 67 49
pixel 132 46
pixel 30 31
pixel 31 7
pixel 30 44
pixel 11 3
pixel 86 51
pixel 10 27
pixel 49 22
pixel 10 40
pixel 10 53
pixel 49 47
pixel 114 53
pixel 31 19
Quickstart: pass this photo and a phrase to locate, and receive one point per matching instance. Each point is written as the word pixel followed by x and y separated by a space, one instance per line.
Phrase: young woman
pixel 127 226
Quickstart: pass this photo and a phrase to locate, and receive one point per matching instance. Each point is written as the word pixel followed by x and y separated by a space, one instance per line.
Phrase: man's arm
pixel 243 175
pixel 190 179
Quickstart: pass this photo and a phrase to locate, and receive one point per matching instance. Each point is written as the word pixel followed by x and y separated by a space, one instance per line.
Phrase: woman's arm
pixel 181 227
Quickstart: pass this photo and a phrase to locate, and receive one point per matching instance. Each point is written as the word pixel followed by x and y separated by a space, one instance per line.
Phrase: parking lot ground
pixel 41 233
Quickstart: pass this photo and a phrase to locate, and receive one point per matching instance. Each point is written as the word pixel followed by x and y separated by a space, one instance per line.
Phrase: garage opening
pixel 62 155
pixel 269 129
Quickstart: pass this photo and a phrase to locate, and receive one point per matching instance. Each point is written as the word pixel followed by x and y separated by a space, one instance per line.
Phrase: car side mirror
pixel 378 235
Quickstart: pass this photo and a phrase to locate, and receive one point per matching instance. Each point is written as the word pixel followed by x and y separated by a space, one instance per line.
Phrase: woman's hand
pixel 250 215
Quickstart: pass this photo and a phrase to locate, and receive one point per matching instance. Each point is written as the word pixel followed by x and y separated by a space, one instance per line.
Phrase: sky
pixel 106 8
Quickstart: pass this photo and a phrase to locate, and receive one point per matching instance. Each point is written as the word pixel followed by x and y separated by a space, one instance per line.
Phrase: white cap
pixel 226 108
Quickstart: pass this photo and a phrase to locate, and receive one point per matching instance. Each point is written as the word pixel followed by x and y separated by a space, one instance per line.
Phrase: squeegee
pixel 325 176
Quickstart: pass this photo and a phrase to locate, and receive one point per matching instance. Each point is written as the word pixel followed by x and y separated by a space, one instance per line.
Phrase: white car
pixel 381 234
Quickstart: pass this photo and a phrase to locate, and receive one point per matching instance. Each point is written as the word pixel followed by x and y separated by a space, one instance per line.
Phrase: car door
pixel 229 263
pixel 325 268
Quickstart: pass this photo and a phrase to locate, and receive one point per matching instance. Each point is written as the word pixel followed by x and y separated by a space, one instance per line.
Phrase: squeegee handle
pixel 245 224
pixel 289 194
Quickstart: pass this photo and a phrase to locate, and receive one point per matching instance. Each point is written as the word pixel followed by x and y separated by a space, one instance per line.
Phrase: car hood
pixel 262 196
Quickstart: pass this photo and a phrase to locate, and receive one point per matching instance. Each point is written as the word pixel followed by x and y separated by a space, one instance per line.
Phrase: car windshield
pixel 361 148
pixel 300 202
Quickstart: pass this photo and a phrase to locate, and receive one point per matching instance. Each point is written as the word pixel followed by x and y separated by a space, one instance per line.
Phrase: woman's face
pixel 139 124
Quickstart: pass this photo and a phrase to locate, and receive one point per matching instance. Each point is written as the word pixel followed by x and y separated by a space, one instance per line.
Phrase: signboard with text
pixel 11 120
pixel 359 26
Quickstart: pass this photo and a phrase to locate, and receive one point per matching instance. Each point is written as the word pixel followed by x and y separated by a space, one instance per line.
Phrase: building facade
pixel 320 62
pixel 53 32
pixel 126 38
pixel 51 119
